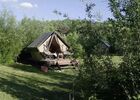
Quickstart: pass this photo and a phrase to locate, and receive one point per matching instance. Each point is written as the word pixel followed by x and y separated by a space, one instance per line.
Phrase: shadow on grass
pixel 23 67
pixel 21 90
pixel 30 92
pixel 28 88
pixel 33 69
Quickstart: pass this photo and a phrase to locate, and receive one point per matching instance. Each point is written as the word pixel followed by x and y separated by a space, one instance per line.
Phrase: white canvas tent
pixel 48 47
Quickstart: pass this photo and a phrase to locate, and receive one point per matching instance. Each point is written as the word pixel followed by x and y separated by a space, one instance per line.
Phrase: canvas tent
pixel 49 43
pixel 49 47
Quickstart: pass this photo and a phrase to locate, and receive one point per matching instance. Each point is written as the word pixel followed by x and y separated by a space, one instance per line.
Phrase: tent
pixel 49 44
pixel 49 48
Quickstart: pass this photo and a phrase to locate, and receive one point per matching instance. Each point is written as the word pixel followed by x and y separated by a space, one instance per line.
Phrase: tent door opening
pixel 55 47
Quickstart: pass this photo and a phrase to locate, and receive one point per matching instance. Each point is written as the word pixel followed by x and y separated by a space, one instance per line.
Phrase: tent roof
pixel 105 43
pixel 37 42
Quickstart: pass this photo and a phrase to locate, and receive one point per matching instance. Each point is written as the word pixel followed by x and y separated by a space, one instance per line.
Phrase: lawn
pixel 22 82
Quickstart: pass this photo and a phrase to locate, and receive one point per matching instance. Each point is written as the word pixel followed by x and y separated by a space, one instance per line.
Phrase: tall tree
pixel 99 77
pixel 127 15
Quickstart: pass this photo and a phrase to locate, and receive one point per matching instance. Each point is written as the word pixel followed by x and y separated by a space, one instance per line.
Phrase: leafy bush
pixel 99 76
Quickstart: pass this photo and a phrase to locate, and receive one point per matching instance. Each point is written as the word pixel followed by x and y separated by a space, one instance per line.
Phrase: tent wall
pixel 42 47
pixel 62 46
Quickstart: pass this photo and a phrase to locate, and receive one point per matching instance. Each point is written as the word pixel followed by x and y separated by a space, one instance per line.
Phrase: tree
pixel 8 37
pixel 127 14
pixel 75 45
pixel 99 77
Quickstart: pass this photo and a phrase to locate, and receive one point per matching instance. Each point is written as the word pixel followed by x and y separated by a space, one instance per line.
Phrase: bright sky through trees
pixel 43 9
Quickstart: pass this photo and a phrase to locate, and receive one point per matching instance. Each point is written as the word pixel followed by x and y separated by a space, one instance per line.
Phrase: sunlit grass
pixel 27 82
pixel 5 96
pixel 116 59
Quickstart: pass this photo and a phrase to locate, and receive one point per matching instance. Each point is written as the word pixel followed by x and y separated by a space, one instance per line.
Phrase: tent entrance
pixel 54 46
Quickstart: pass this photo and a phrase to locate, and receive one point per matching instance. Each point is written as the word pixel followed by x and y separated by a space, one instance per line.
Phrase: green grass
pixel 117 59
pixel 22 82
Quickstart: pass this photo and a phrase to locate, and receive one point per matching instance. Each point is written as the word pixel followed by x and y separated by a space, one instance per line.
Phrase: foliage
pixel 75 45
pixel 8 37
pixel 99 76
pixel 23 32
pixel 127 14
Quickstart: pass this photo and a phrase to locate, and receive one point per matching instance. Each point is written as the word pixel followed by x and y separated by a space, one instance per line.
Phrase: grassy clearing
pixel 29 83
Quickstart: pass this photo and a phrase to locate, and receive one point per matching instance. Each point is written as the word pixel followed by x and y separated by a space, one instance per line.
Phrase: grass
pixel 117 59
pixel 22 82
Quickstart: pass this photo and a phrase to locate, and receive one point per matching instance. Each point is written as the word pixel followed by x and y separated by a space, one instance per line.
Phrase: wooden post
pixel 44 68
